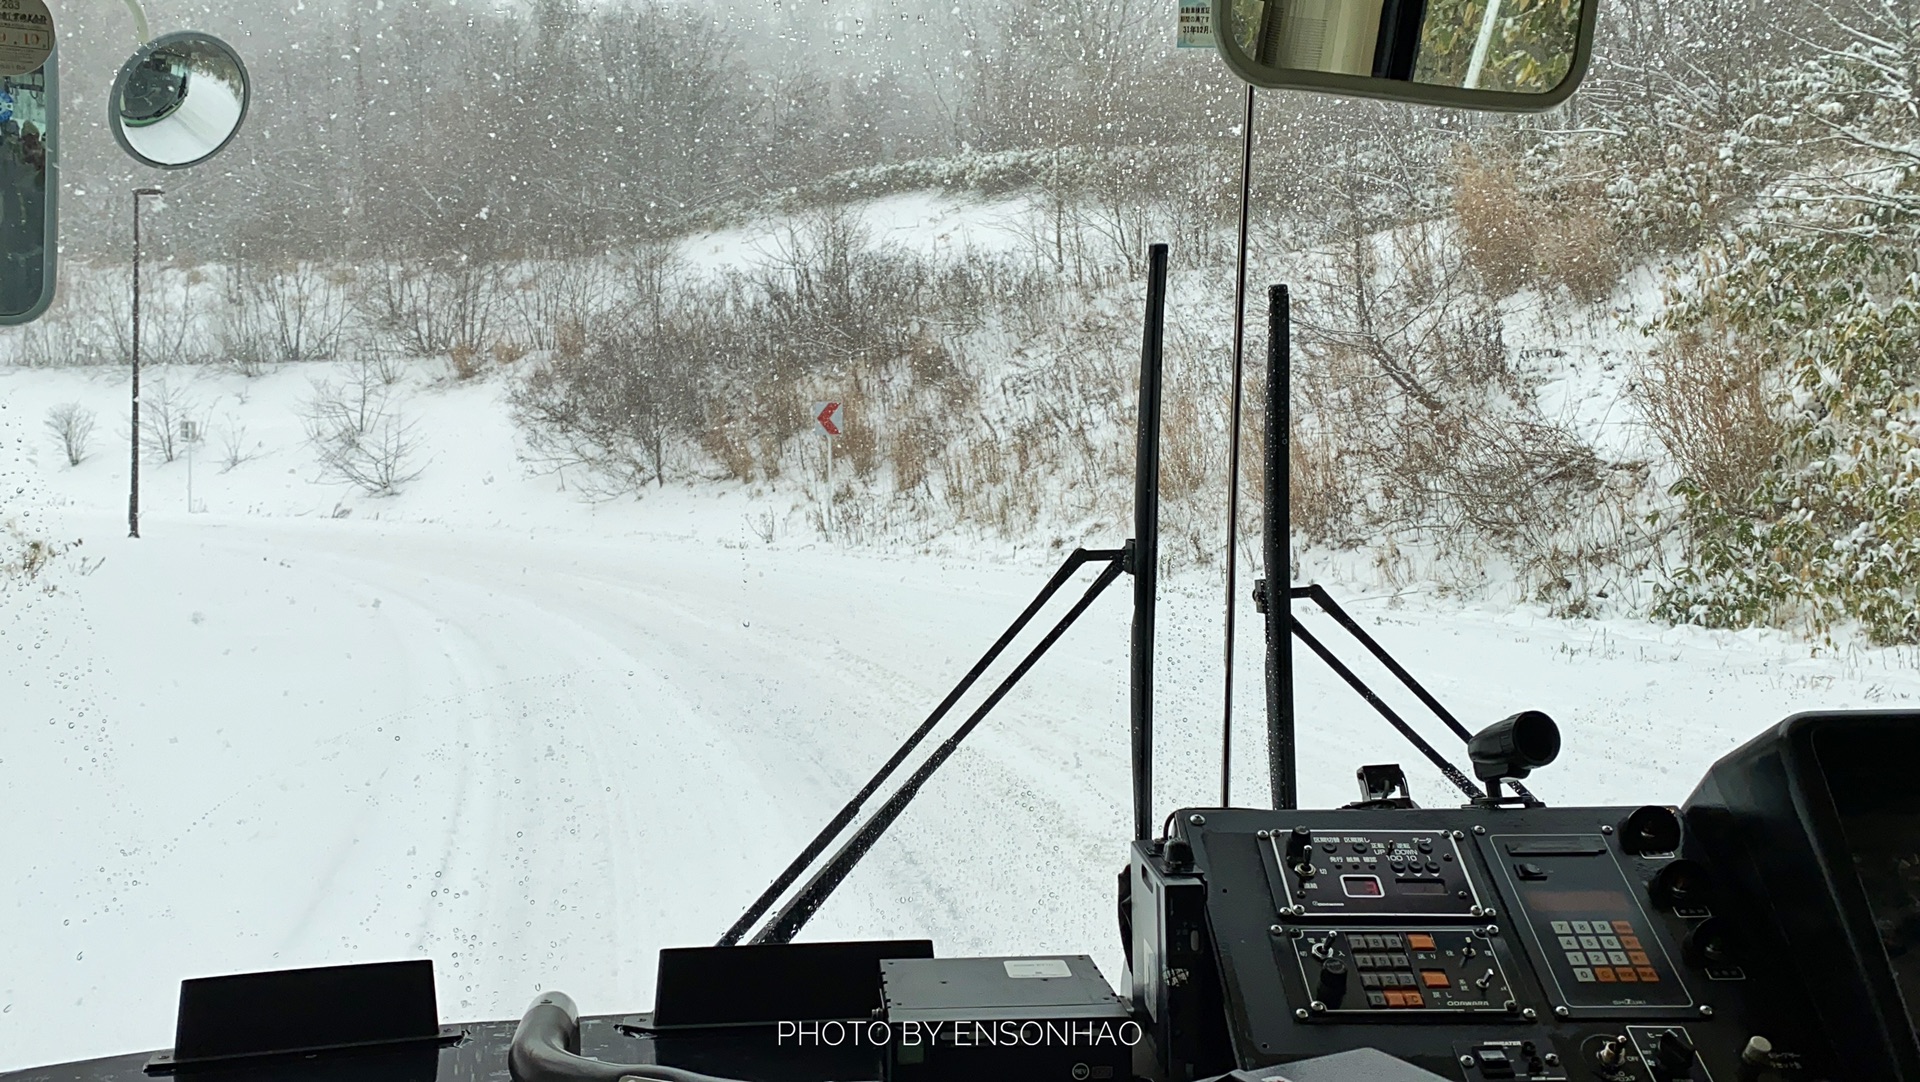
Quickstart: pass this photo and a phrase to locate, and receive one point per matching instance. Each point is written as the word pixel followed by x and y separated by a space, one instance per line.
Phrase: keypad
pixel 1604 952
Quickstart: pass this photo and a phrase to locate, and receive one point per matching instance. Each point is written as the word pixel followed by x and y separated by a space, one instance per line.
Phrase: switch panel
pixel 1427 969
pixel 1390 874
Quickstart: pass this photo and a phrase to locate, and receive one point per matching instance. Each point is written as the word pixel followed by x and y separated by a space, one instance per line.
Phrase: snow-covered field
pixel 537 739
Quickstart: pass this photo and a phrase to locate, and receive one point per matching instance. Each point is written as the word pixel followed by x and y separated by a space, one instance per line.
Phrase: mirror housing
pixel 1498 55
pixel 179 100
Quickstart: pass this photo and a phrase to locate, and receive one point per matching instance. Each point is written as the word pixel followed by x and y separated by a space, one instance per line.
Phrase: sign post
pixel 189 432
pixel 828 415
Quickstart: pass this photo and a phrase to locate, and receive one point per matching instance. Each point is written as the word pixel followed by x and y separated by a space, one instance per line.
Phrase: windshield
pixel 578 442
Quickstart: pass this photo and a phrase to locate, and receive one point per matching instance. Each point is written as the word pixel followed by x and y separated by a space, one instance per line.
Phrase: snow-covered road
pixel 536 760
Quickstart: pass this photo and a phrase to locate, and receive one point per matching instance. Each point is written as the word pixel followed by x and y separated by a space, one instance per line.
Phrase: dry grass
pixel 505 353
pixel 1706 399
pixel 465 361
pixel 1320 505
pixel 1495 223
pixel 728 444
pixel 570 338
pixel 1520 236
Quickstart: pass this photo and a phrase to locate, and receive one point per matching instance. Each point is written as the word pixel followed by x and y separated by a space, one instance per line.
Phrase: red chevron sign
pixel 828 414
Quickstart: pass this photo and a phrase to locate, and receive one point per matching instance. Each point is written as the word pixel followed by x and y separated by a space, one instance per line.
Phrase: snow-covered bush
pixel 1829 534
pixel 164 407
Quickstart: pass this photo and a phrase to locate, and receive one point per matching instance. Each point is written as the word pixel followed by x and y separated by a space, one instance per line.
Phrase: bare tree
pixel 162 409
pixel 358 435
pixel 72 425
pixel 233 445
pixel 435 310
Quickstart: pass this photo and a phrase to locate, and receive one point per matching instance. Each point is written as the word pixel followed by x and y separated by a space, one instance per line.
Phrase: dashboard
pixel 1767 930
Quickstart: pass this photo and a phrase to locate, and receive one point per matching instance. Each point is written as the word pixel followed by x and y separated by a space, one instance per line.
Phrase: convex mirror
pixel 1509 55
pixel 179 100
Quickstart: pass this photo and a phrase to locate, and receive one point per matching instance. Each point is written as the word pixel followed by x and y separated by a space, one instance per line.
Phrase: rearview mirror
pixel 179 100
pixel 1508 55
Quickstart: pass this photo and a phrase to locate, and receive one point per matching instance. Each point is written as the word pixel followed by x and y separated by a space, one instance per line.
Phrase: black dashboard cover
pixel 1774 815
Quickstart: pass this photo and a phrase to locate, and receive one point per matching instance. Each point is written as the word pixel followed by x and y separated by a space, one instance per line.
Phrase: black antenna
pixel 1275 595
pixel 1278 544
pixel 1145 564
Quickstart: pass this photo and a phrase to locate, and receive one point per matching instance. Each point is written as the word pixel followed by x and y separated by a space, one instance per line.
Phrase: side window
pixel 27 193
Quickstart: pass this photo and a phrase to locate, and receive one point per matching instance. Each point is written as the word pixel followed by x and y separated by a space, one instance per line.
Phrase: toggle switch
pixel 1495 1063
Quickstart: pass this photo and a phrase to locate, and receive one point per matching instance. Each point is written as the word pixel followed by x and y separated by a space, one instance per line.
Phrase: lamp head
pixel 1514 747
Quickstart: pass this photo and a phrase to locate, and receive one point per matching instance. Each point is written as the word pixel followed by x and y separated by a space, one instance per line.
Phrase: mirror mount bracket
pixel 139 21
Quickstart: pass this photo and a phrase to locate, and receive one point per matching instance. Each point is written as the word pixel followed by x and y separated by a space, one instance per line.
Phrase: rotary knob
pixel 1333 982
pixel 1670 1055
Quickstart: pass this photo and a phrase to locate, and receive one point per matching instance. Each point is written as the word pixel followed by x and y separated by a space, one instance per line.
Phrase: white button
pixel 1568 943
pixel 1618 958
pixel 1612 943
pixel 1584 976
pixel 1576 958
pixel 1590 942
pixel 1583 927
pixel 1561 927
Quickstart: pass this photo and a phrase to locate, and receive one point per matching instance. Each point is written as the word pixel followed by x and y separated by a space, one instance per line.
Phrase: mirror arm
pixel 1478 63
pixel 139 21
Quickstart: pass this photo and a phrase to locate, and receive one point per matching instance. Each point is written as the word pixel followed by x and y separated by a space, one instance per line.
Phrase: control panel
pixel 1430 969
pixel 1555 945
pixel 1586 926
pixel 1402 874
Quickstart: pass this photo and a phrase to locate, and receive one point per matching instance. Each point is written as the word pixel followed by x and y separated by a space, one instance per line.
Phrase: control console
pixel 1526 943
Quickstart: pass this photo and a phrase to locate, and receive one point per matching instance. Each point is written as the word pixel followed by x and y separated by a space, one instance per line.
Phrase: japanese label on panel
pixel 1196 24
pixel 26 36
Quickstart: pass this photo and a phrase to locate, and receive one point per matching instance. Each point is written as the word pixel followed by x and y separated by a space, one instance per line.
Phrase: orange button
pixel 1622 927
pixel 1414 1000
pixel 1639 958
pixel 1396 999
pixel 1603 974
pixel 1629 942
pixel 1434 978
pixel 1420 941
pixel 1648 974
pixel 1626 974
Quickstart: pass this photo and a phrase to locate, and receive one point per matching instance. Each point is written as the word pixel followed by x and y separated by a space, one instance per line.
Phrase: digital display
pixel 1360 886
pixel 1545 900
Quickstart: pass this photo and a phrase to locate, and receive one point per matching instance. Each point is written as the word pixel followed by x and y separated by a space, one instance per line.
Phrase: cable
pixel 546 1048
pixel 1233 445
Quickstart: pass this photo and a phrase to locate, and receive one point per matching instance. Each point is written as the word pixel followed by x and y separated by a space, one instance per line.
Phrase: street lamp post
pixel 133 490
